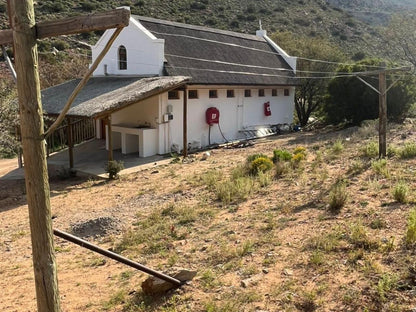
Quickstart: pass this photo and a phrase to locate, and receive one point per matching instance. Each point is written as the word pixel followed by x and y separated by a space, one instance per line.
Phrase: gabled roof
pixel 213 56
pixel 104 95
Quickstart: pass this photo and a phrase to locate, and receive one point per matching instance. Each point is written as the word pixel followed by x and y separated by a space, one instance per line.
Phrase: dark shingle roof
pixel 102 95
pixel 212 56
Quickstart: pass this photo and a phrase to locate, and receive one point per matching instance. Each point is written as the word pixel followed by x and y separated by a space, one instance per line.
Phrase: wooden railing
pixel 82 130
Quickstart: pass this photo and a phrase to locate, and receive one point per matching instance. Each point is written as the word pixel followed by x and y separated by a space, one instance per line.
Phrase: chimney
pixel 261 32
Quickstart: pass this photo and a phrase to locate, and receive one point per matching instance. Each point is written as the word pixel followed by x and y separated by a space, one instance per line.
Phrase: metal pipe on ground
pixel 114 256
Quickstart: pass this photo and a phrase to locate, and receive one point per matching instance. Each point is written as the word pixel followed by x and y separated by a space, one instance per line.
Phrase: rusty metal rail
pixel 114 256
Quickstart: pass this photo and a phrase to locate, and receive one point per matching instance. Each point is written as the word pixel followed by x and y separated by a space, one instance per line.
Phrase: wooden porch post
pixel 70 143
pixel 185 122
pixel 110 139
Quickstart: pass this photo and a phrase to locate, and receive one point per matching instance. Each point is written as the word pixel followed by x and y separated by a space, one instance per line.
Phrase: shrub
pixel 252 157
pixel 337 147
pixel 281 155
pixel 88 6
pixel 380 167
pixel 400 192
pixel 371 150
pixel 281 169
pixel 350 100
pixel 337 197
pixel 297 158
pixel 60 45
pixel 410 238
pixel 232 191
pixel 261 164
pixel 113 167
pixel 392 151
pixel 300 150
pixel 408 151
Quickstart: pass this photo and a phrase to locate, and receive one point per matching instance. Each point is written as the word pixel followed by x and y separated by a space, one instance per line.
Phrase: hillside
pixel 302 17
pixel 375 12
pixel 285 240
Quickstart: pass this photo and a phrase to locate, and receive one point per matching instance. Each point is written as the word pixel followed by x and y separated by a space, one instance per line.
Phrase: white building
pixel 160 78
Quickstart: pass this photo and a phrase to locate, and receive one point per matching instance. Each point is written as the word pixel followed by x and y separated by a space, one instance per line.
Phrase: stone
pixel 251 281
pixel 205 155
pixel 287 272
pixel 154 285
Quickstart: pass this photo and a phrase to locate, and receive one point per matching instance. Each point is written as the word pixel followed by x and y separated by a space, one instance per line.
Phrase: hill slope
pixel 302 17
pixel 374 11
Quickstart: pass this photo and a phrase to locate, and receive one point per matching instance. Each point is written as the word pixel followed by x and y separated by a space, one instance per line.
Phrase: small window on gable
pixel 122 58
pixel 230 93
pixel 192 94
pixel 286 92
pixel 247 93
pixel 173 95
pixel 261 92
pixel 213 94
pixel 274 92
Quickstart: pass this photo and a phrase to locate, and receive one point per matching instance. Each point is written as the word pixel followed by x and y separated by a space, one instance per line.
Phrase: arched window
pixel 122 58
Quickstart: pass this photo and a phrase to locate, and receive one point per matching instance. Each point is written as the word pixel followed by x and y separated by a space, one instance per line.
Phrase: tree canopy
pixel 350 100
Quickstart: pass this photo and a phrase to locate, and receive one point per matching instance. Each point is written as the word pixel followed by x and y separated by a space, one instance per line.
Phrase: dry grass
pixel 214 217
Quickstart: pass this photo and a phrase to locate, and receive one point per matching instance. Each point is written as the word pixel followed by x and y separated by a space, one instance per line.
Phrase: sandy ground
pixel 291 210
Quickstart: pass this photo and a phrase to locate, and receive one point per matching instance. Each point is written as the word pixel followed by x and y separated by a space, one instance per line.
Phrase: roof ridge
pixel 196 27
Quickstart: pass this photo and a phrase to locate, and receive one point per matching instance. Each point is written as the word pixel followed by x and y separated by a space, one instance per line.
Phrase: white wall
pixel 236 114
pixel 143 112
pixel 145 53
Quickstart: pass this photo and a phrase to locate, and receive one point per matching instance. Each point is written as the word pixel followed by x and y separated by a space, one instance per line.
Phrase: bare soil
pixel 278 249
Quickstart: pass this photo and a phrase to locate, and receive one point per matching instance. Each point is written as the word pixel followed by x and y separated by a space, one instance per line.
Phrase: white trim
pixel 291 60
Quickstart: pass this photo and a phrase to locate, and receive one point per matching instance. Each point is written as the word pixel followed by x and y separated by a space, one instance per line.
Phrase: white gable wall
pixel 145 53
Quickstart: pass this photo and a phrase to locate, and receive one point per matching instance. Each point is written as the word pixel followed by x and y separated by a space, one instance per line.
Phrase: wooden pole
pixel 36 174
pixel 185 122
pixel 110 139
pixel 382 115
pixel 70 143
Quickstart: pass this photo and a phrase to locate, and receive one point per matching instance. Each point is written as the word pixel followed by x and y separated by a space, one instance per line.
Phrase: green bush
pixel 352 101
pixel 113 167
pixel 281 155
pixel 261 164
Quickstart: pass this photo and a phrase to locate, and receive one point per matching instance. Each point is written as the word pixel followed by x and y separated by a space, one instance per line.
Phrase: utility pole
pixel 24 34
pixel 382 104
pixel 382 117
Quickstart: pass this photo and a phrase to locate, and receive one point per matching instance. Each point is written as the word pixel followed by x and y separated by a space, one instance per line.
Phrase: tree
pixel 350 100
pixel 310 94
pixel 400 37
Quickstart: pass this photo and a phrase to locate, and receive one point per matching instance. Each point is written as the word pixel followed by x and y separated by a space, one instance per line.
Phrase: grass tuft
pixel 338 197
pixel 400 192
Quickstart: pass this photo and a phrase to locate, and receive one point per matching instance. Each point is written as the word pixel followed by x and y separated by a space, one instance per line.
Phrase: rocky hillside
pixel 374 12
pixel 331 19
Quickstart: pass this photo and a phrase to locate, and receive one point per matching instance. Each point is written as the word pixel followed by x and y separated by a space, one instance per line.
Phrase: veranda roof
pixel 103 95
